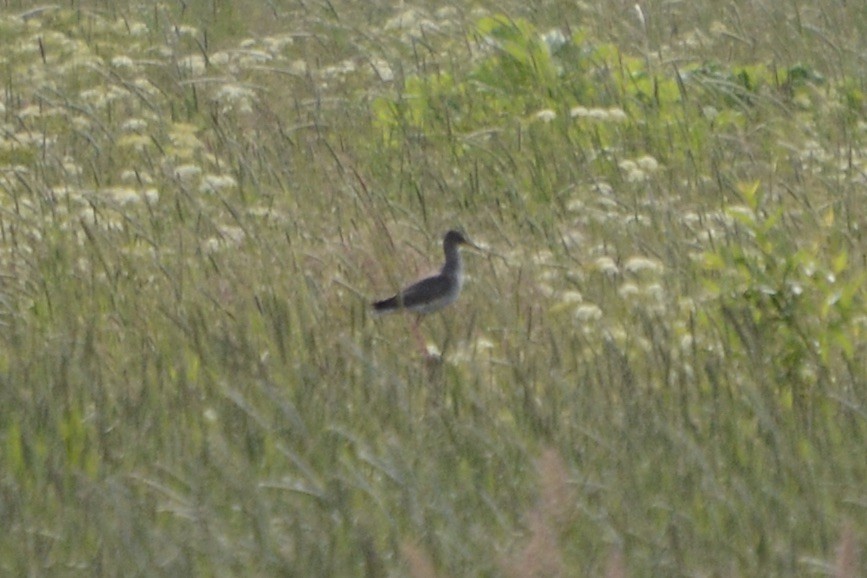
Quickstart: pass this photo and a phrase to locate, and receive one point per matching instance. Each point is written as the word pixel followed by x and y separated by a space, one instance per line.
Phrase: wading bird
pixel 432 293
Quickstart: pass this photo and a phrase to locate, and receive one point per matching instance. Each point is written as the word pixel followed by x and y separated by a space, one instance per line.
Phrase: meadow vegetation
pixel 655 369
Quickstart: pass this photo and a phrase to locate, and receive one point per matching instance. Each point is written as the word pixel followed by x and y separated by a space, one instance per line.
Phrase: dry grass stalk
pixel 420 564
pixel 542 555
pixel 846 562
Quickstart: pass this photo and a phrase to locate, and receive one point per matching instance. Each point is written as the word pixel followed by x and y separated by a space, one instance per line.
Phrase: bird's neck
pixel 453 266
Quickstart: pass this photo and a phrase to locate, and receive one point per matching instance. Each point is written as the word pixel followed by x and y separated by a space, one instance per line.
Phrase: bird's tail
pixel 386 305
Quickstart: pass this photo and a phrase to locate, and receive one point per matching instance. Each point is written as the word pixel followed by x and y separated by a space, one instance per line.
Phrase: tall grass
pixel 655 369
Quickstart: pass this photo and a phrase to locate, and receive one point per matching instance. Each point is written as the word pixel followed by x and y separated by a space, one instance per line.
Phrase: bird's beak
pixel 477 248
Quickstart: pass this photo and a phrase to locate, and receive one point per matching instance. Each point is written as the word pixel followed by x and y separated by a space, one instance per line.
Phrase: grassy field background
pixel 656 369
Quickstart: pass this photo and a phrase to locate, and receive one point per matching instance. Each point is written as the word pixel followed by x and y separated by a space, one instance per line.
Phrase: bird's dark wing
pixel 425 290
pixel 416 294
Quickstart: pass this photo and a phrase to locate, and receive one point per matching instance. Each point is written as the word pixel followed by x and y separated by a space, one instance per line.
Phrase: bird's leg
pixel 418 337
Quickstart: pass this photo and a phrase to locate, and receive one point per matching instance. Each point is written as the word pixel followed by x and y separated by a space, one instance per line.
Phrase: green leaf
pixel 839 263
pixel 751 193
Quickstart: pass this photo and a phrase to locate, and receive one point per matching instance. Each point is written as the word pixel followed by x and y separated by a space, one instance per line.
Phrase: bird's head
pixel 457 238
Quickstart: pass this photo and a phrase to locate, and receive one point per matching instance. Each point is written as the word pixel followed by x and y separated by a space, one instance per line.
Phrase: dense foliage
pixel 655 369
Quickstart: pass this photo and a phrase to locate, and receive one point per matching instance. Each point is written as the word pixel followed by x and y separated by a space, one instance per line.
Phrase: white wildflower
pixel 220 58
pixel 647 163
pixel 575 205
pixel 134 125
pixel 278 43
pixel 71 168
pixel 554 40
pixel 628 290
pixel 228 237
pixel 655 291
pixel 298 67
pixel 546 115
pixel 95 96
pixel 640 264
pixel 137 142
pixel 122 61
pixel 484 344
pixel 571 297
pixel 188 173
pixel 607 265
pixel 232 235
pixel 603 188
pixel 216 183
pixel 122 195
pixel 627 166
pixel 382 69
pixel 617 115
pixel 254 57
pixel 193 64
pixel 588 312
pixel 211 245
pixel 151 196
pixel 187 30
pixel 406 20
pixel 137 28
pixel 236 97
pixel 342 68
